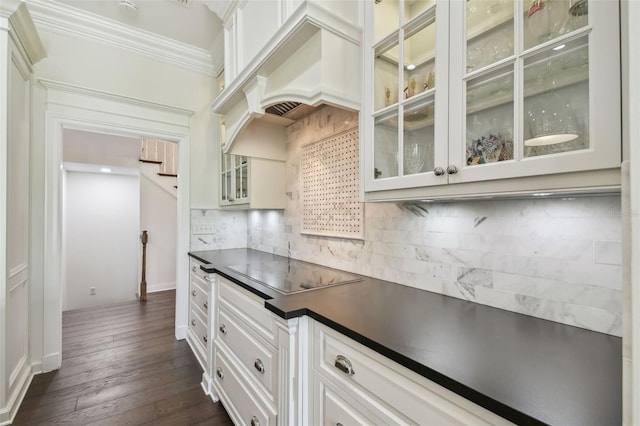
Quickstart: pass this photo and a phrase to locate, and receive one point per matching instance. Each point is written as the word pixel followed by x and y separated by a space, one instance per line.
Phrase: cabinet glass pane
pixel 386 146
pixel 545 20
pixel 228 182
pixel 489 136
pixel 224 187
pixel 413 8
pixel 418 140
pixel 489 32
pixel 556 102
pixel 243 181
pixel 386 18
pixel 386 78
pixel 419 61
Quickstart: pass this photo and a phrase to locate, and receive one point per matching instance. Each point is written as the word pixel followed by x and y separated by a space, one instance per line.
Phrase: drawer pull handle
pixel 255 421
pixel 193 322
pixel 204 338
pixel 338 424
pixel 259 365
pixel 223 329
pixel 206 305
pixel 219 373
pixel 193 293
pixel 193 268
pixel 344 365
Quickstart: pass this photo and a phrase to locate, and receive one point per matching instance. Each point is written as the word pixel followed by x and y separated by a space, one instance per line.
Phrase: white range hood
pixel 313 59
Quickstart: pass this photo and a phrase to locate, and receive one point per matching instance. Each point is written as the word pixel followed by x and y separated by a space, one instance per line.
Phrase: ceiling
pixel 194 24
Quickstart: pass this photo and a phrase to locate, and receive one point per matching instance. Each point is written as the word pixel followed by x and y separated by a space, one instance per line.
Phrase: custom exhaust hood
pixel 313 59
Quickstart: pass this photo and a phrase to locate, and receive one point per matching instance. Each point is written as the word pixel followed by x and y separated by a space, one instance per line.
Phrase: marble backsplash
pixel 555 259
pixel 218 229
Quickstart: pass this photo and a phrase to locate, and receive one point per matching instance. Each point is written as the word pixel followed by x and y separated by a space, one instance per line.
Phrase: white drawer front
pixel 199 297
pixel 197 333
pixel 334 407
pixel 255 355
pixel 241 403
pixel 412 397
pixel 195 269
pixel 249 307
pixel 199 328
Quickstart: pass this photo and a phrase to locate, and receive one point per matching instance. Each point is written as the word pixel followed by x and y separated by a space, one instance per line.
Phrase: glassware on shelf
pixel 551 120
pixel 414 158
pixel 547 18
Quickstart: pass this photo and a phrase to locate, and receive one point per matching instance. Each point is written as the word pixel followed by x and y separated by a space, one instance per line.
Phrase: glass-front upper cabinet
pixel 529 88
pixel 234 170
pixel 409 97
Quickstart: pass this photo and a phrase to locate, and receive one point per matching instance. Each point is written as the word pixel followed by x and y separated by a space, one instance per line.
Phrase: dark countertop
pixel 525 369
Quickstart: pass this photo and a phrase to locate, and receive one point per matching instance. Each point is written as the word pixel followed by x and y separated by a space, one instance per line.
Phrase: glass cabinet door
pixel 406 96
pixel 241 169
pixel 525 85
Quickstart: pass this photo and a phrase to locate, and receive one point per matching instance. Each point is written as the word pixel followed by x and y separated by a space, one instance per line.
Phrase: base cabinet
pixel 256 356
pixel 201 303
pixel 364 387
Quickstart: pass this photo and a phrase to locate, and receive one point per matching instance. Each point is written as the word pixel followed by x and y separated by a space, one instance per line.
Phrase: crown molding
pixel 56 17
pixel 25 31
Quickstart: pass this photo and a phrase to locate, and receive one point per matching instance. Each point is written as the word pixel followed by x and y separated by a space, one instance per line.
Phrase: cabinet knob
pixel 344 365
pixel 219 373
pixel 206 278
pixel 223 329
pixel 193 293
pixel 231 200
pixel 206 305
pixel 193 268
pixel 193 322
pixel 205 338
pixel 438 171
pixel 259 365
pixel 338 424
pixel 255 421
pixel 452 170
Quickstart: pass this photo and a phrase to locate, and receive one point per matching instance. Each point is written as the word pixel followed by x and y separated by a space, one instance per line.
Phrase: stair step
pixel 167 174
pixel 150 161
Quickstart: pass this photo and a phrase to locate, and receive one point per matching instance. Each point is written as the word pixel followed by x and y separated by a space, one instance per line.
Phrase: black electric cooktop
pixel 293 276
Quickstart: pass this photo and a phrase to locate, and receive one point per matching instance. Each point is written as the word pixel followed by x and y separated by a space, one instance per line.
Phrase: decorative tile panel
pixel 330 187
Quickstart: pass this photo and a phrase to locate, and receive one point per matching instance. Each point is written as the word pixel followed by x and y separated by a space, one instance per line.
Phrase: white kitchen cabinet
pixel 490 97
pixel 353 384
pixel 201 308
pixel 251 183
pixel 256 359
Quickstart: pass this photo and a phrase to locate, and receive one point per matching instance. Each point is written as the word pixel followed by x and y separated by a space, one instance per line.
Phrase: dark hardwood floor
pixel 121 365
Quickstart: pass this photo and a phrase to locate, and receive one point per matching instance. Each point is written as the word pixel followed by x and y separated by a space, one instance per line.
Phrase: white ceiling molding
pixel 25 31
pixel 57 17
pixel 219 7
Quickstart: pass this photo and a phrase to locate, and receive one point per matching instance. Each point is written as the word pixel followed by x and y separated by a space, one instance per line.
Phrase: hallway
pixel 122 366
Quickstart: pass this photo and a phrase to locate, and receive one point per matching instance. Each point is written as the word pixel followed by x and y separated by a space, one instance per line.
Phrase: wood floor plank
pixel 122 366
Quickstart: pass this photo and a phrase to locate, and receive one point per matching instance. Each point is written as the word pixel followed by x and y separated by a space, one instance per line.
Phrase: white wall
pixel 101 238
pixel 158 217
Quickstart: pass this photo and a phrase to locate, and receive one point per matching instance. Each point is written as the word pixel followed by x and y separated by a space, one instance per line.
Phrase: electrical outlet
pixel 92 291
pixel 202 229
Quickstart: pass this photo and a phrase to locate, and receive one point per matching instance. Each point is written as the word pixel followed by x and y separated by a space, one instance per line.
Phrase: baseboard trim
pixel 181 332
pixel 8 413
pixel 154 288
pixel 51 362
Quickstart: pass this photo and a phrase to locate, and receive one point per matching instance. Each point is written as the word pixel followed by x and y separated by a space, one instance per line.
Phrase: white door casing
pixel 81 108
